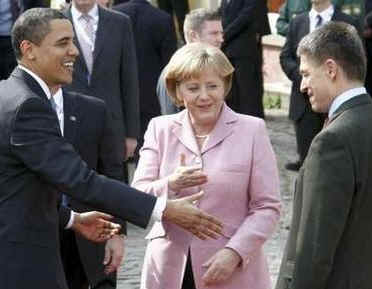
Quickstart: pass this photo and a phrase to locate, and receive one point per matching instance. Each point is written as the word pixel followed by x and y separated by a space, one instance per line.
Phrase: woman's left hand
pixel 221 266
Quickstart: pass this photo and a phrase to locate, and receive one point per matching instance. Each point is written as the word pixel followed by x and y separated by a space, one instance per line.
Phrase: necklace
pixel 201 136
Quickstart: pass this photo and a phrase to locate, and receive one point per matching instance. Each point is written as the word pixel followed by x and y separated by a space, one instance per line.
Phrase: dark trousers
pixel 306 128
pixel 74 270
pixel 246 91
pixel 7 58
pixel 179 7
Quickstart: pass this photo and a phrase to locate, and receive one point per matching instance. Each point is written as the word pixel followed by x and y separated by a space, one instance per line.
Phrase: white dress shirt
pixel 325 14
pixel 343 97
pixel 80 31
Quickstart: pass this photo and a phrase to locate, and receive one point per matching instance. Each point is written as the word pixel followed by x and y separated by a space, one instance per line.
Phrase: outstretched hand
pixel 185 214
pixel 95 226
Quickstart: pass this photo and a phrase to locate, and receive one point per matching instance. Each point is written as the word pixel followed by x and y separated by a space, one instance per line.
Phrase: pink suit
pixel 242 191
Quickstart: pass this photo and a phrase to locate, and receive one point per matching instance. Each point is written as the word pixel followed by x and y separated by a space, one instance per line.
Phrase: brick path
pixel 283 141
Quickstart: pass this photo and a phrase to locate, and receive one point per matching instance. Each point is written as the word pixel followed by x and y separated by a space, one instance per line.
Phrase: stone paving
pixel 283 140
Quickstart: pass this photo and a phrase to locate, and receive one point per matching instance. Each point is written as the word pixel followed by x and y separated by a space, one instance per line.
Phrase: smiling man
pixel 37 163
pixel 331 232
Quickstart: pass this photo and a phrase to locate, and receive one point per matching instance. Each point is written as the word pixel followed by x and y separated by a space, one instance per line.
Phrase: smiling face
pixel 203 97
pixel 52 59
pixel 316 83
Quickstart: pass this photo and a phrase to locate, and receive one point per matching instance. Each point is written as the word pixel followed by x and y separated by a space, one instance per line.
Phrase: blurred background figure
pixel 244 22
pixel 155 41
pixel 190 151
pixel 367 34
pixel 179 8
pixel 292 8
pixel 9 11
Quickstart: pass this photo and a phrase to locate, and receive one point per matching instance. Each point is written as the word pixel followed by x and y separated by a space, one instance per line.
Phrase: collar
pixel 41 82
pixel 343 97
pixel 325 14
pixel 58 98
pixel 76 14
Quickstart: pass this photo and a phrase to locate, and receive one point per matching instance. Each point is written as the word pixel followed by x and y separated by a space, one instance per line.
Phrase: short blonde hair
pixel 190 61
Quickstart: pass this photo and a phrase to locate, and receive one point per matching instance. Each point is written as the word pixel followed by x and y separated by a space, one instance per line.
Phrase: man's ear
pixel 193 36
pixel 331 68
pixel 26 48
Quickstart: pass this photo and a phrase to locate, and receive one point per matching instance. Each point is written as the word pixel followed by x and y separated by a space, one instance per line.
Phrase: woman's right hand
pixel 186 176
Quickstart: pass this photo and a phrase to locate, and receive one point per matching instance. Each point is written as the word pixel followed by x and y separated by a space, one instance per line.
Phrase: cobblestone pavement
pixel 283 140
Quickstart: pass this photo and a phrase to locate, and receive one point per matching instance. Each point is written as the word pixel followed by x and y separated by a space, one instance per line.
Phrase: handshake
pixel 97 226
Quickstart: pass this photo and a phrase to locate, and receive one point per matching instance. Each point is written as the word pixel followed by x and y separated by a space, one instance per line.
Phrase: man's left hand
pixel 221 266
pixel 114 253
pixel 95 226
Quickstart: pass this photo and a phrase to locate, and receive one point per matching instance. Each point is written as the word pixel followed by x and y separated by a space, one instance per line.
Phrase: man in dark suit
pixel 87 126
pixel 9 11
pixel 107 67
pixel 331 226
pixel 37 163
pixel 156 42
pixel 307 123
pixel 178 7
pixel 242 25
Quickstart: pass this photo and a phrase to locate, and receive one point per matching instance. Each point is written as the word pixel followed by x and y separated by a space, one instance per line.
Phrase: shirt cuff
pixel 159 208
pixel 71 221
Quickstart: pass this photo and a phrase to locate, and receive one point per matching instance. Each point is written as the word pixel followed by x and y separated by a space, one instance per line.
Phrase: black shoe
pixel 293 166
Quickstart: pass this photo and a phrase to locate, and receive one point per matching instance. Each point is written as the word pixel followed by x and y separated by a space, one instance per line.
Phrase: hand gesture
pixel 95 226
pixel 186 176
pixel 221 266
pixel 114 253
pixel 183 213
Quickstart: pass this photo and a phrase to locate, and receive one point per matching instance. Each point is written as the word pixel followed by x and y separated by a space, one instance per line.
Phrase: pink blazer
pixel 242 191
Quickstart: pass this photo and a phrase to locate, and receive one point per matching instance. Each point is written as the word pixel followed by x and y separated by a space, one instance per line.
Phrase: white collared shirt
pixel 325 14
pixel 58 99
pixel 80 31
pixel 343 97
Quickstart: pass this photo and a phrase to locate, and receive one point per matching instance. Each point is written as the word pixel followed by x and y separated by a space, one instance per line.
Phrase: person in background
pixel 155 41
pixel 242 22
pixel 292 8
pixel 9 12
pixel 107 67
pixel 201 25
pixel 191 151
pixel 367 34
pixel 178 7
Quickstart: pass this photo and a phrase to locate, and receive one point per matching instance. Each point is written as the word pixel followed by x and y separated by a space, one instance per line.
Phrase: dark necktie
pixel 319 21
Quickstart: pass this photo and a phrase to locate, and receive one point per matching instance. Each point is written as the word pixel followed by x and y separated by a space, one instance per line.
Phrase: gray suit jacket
pixel 331 232
pixel 114 78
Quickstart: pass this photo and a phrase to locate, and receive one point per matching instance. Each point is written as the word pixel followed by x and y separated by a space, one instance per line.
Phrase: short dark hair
pixel 197 17
pixel 33 25
pixel 339 41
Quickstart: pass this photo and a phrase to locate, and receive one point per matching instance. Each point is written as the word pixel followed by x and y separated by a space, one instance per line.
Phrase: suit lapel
pixel 306 26
pixel 31 82
pixel 183 131
pixel 222 129
pixel 70 117
pixel 102 31
pixel 355 101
